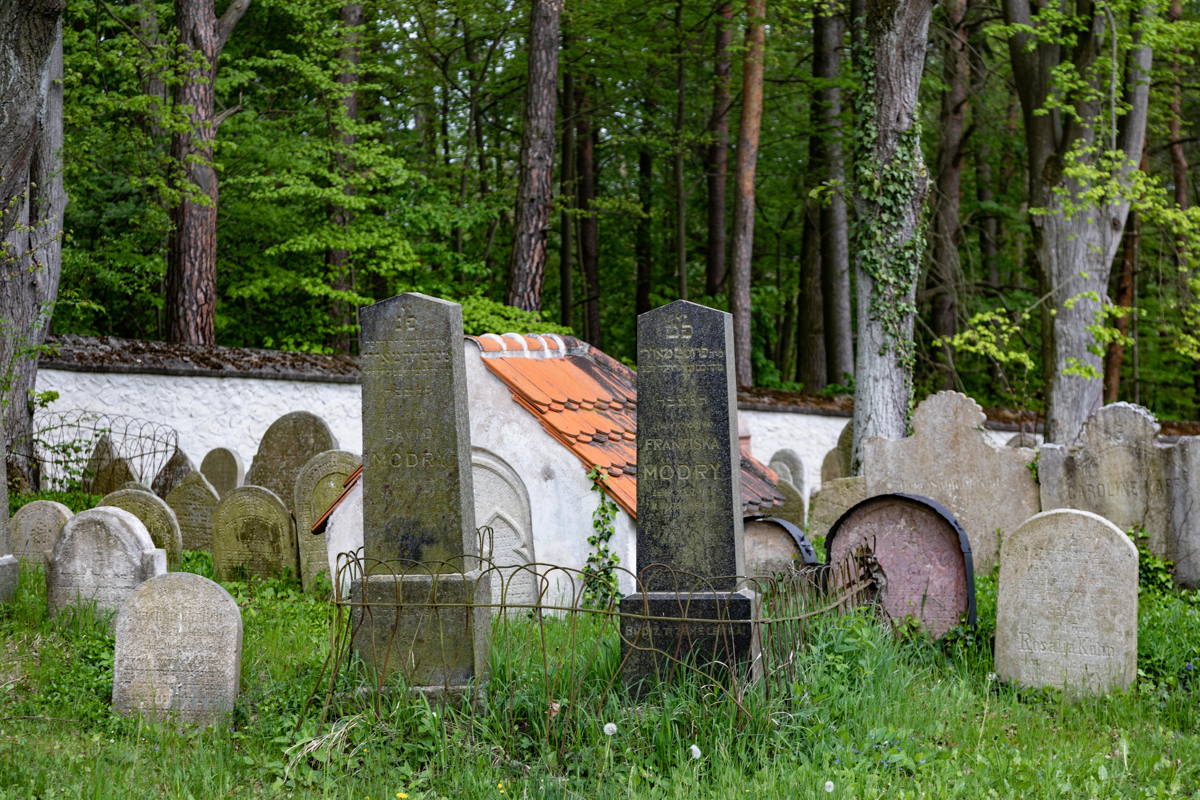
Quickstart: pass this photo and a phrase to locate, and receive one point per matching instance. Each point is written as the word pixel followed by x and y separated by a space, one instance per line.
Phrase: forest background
pixel 365 149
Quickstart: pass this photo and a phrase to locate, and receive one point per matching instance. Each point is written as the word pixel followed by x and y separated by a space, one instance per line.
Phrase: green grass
pixel 877 717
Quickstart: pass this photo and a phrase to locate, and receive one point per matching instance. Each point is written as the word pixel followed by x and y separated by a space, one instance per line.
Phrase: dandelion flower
pixel 610 728
pixel 828 786
pixel 695 751
pixel 402 795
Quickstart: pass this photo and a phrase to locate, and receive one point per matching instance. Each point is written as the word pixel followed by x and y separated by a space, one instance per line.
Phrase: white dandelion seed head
pixel 610 728
pixel 695 751
pixel 829 786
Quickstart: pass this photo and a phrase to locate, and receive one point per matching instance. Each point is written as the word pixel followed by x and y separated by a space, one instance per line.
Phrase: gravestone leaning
pixel 284 450
pixel 101 556
pixel 1066 609
pixel 834 498
pixel 949 459
pixel 194 500
pixel 690 548
pixel 320 481
pixel 156 515
pixel 178 650
pixel 418 509
pixel 252 535
pixel 34 528
pixel 178 467
pixel 223 468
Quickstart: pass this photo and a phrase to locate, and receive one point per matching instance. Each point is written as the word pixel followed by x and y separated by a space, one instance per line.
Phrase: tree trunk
pixel 192 250
pixel 535 192
pixel 718 151
pixel 1114 356
pixel 889 193
pixel 743 207
pixel 677 182
pixel 32 201
pixel 589 234
pixel 643 244
pixel 811 358
pixel 337 257
pixel 566 188
pixel 946 274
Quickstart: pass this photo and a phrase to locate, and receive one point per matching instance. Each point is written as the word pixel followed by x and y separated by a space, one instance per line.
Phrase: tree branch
pixel 229 21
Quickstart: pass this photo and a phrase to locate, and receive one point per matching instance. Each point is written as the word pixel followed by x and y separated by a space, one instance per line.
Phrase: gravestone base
pixel 717 628
pixel 441 651
pixel 10 570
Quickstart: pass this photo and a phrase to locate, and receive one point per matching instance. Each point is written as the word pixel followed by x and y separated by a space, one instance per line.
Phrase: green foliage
pixel 75 499
pixel 482 315
pixel 599 574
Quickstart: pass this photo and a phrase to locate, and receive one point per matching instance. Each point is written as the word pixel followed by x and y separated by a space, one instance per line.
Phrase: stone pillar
pixel 690 550
pixel 418 505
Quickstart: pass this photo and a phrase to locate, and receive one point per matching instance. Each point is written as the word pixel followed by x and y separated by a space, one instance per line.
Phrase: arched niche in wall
pixel 502 504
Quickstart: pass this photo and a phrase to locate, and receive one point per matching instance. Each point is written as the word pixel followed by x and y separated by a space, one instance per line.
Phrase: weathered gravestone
pixel 834 499
pixel 284 450
pixel 690 548
pixel 34 528
pixel 178 651
pixel 922 552
pixel 105 470
pixel 788 468
pixel 1115 469
pixel 223 468
pixel 1022 440
pixel 1183 541
pixel 194 500
pixel 320 481
pixel 100 557
pixel 949 459
pixel 418 512
pixel 502 508
pixel 837 461
pixel 156 515
pixel 10 567
pixel 775 545
pixel 178 467
pixel 252 535
pixel 1066 609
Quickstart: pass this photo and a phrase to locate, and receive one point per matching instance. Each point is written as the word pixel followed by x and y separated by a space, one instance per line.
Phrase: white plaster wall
pixel 210 412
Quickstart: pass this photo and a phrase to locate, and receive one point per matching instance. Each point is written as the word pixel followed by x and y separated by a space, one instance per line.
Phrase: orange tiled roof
pixel 588 402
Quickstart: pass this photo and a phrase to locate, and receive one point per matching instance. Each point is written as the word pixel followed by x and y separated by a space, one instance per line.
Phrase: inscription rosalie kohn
pixel 1124 488
pixel 1079 646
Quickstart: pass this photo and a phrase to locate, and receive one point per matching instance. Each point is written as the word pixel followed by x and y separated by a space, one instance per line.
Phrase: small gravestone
pixel 790 471
pixel 320 481
pixel 502 509
pixel 1115 469
pixel 989 490
pixel 10 567
pixel 923 554
pixel 774 546
pixel 178 651
pixel 156 515
pixel 835 498
pixel 284 450
pixel 418 509
pixel 837 461
pixel 252 535
pixel 1066 608
pixel 34 528
pixel 194 500
pixel 100 557
pixel 1183 545
pixel 223 468
pixel 690 547
pixel 178 467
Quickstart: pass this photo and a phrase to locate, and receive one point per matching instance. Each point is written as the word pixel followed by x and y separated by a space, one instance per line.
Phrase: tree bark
pixel 1114 356
pixel 718 151
pixel 32 201
pixel 589 233
pixel 337 257
pixel 192 250
pixel 890 191
pixel 829 166
pixel 811 357
pixel 535 192
pixel 566 188
pixel 677 165
pixel 743 208
pixel 643 244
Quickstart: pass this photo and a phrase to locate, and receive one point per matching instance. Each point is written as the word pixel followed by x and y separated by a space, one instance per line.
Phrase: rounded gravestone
pixel 320 481
pixel 775 545
pixel 156 515
pixel 923 553
pixel 223 468
pixel 194 500
pixel 1067 604
pixel 100 557
pixel 178 467
pixel 178 650
pixel 34 528
pixel 252 535
pixel 284 450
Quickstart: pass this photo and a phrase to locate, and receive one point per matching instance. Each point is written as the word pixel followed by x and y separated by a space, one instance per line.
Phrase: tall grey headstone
pixel 1115 469
pixel 223 468
pixel 178 651
pixel 285 448
pixel 1066 608
pixel 320 481
pixel 156 515
pixel 950 460
pixel 690 547
pixel 252 535
pixel 100 557
pixel 178 467
pixel 194 500
pixel 34 528
pixel 1183 543
pixel 418 512
pixel 10 567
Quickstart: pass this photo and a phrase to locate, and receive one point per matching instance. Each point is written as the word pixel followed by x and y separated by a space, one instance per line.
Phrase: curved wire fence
pixel 72 449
